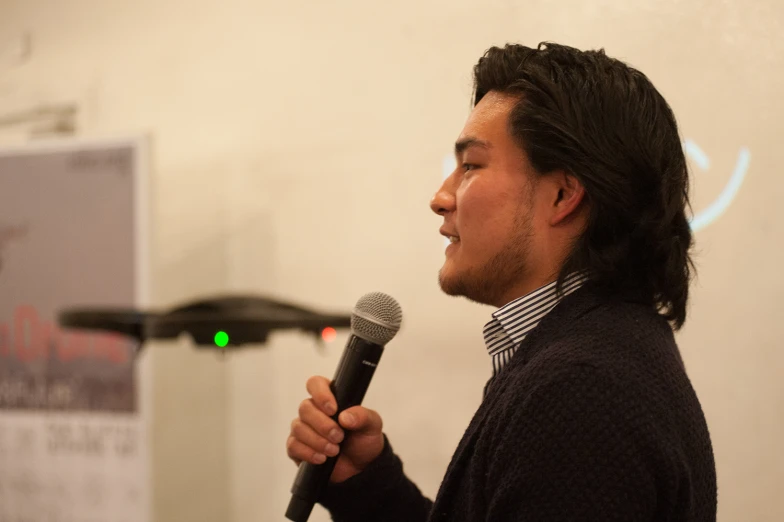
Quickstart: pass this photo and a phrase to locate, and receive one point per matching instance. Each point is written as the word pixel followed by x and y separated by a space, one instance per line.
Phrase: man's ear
pixel 568 195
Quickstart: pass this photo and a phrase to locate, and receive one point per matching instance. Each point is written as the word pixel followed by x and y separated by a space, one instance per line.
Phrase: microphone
pixel 375 320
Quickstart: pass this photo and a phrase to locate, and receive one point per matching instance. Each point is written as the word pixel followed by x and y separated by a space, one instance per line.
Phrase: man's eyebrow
pixel 462 145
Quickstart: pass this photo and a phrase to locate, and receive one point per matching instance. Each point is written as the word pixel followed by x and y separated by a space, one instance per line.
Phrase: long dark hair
pixel 595 117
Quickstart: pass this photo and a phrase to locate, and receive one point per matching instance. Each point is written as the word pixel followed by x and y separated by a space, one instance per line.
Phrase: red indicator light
pixel 328 334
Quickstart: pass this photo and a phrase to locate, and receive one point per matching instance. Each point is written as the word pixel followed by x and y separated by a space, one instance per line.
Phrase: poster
pixel 72 432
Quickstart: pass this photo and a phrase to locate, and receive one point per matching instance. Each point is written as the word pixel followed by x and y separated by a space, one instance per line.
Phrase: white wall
pixel 295 148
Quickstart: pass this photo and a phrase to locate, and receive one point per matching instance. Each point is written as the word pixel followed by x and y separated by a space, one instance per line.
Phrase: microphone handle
pixel 349 385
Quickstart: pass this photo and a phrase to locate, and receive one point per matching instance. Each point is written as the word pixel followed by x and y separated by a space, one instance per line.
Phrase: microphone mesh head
pixel 376 318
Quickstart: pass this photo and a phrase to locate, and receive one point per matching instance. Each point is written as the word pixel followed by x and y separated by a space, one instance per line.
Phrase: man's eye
pixel 468 166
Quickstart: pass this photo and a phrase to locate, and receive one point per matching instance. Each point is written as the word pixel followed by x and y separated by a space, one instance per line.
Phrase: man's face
pixel 488 205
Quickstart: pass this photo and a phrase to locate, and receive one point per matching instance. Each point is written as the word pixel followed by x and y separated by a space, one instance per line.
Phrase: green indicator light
pixel 221 339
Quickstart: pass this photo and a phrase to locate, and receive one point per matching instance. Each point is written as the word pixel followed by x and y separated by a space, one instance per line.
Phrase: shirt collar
pixel 511 323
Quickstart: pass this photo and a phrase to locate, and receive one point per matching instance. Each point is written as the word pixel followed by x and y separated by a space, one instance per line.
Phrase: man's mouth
pixel 452 238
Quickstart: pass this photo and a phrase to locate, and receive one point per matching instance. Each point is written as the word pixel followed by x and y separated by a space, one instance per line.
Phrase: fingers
pixel 298 452
pixel 318 388
pixel 315 436
pixel 305 434
pixel 319 422
pixel 361 420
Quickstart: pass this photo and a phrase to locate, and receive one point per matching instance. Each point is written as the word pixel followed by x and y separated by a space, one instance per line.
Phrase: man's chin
pixel 463 286
pixel 450 284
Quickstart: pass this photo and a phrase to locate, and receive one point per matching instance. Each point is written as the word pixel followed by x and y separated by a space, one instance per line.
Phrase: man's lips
pixel 450 235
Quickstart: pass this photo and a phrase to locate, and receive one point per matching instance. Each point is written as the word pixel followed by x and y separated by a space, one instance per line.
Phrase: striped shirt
pixel 513 321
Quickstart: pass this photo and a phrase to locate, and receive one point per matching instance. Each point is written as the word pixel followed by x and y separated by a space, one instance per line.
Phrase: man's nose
pixel 443 201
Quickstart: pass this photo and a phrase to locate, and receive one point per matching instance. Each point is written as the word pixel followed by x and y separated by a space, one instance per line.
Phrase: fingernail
pixel 336 435
pixel 330 408
pixel 331 450
pixel 318 458
pixel 349 419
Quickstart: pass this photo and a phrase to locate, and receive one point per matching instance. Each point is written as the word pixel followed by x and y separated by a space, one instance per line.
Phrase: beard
pixel 486 284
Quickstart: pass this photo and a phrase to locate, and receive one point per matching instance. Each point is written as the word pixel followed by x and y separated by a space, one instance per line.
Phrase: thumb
pixel 361 420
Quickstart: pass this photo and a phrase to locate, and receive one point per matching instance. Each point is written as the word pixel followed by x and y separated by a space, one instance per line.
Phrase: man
pixel 567 211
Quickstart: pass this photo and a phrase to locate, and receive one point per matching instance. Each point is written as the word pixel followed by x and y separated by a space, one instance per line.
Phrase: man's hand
pixel 315 436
